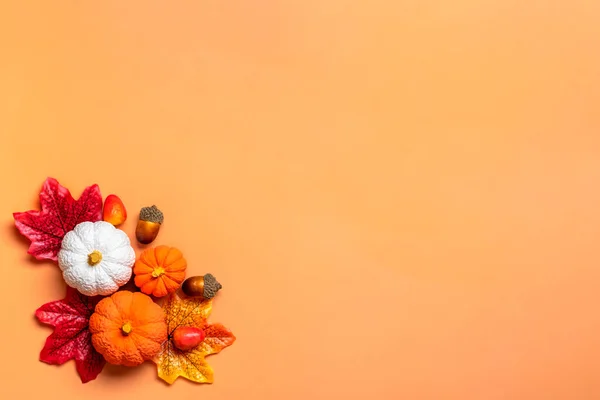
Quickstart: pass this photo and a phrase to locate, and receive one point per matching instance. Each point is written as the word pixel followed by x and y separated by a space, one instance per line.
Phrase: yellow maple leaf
pixel 172 362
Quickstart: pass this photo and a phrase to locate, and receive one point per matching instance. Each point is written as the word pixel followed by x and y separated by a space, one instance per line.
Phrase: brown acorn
pixel 150 220
pixel 201 286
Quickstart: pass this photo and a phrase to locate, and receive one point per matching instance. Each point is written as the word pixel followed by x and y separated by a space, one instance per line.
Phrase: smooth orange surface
pixel 401 198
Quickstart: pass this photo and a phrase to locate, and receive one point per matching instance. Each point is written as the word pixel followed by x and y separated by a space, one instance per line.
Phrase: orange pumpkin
pixel 128 328
pixel 159 270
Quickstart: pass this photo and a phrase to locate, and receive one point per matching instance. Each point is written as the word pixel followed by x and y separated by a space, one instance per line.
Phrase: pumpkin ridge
pixel 107 305
pixel 166 277
pixel 120 240
pixel 106 321
pixel 99 341
pixel 144 273
pixel 177 276
pixel 150 286
pixel 95 235
pixel 171 284
pixel 120 298
pixel 145 345
pixel 132 355
pixel 73 237
pixel 117 272
pixel 148 258
pixel 105 235
pixel 168 254
pixel 105 286
pixel 158 253
pixel 141 267
pixel 70 254
pixel 149 324
pixel 129 313
pixel 141 280
pixel 78 232
pixel 123 243
pixel 140 301
pixel 116 256
pixel 178 265
pixel 161 289
pixel 173 256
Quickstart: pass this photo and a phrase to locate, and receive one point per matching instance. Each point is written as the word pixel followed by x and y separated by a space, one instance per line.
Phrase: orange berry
pixel 187 337
pixel 114 210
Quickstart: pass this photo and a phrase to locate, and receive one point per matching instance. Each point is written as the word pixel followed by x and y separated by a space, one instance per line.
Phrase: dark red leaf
pixel 59 215
pixel 71 339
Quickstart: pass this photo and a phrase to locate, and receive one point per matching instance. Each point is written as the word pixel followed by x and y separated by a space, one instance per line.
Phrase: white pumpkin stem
pixel 94 257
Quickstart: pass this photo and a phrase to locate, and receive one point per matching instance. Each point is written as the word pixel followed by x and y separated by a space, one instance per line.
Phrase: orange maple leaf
pixel 172 362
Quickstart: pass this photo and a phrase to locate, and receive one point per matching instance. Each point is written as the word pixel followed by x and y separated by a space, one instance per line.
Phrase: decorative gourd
pixel 159 270
pixel 128 328
pixel 96 258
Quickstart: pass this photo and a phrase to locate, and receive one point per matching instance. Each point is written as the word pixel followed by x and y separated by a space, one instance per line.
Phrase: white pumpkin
pixel 96 258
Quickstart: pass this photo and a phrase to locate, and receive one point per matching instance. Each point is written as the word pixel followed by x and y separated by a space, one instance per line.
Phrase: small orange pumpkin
pixel 159 270
pixel 128 328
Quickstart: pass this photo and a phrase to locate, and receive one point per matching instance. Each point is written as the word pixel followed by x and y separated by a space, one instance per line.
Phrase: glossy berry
pixel 187 337
pixel 114 210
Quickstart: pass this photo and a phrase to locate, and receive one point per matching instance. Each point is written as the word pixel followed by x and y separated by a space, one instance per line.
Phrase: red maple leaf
pixel 71 339
pixel 59 215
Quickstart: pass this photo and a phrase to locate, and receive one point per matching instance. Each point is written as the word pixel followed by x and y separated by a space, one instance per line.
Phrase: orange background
pixel 401 198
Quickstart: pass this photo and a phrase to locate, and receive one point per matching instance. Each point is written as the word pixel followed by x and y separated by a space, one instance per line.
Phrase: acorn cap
pixel 211 286
pixel 152 214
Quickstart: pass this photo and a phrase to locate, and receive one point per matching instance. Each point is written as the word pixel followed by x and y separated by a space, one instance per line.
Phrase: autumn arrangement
pixel 120 308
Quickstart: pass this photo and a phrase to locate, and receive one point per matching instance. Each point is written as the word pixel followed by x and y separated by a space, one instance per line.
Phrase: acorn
pixel 205 286
pixel 150 220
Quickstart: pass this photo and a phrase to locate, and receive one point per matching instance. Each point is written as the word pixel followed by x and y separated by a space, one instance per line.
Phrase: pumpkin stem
pixel 159 271
pixel 126 328
pixel 94 257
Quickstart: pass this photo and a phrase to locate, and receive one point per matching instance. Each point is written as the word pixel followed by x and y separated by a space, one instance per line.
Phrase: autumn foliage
pixel 128 328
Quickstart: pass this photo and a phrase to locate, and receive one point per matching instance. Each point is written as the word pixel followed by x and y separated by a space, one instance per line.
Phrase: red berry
pixel 187 337
pixel 114 210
